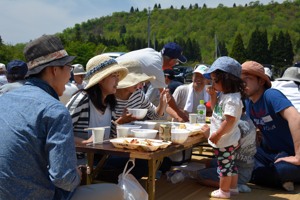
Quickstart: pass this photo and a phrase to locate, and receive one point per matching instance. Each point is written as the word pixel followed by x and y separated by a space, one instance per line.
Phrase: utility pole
pixel 148 36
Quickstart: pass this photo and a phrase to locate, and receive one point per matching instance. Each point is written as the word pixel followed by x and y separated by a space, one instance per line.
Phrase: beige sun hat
pixel 100 67
pixel 135 74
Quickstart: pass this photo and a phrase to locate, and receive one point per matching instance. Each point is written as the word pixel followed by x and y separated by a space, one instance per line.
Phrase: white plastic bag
pixel 131 187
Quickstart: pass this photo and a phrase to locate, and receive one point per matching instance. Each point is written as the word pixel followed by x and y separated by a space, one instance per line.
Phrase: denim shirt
pixel 37 150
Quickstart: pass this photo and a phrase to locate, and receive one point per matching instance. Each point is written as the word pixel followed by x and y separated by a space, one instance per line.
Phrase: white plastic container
pixel 179 136
pixel 145 133
pixel 146 124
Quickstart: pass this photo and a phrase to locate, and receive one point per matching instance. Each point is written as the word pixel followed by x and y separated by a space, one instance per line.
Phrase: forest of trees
pixel 268 34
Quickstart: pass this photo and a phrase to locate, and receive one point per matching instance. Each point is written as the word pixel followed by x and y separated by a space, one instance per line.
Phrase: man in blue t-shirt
pixel 278 157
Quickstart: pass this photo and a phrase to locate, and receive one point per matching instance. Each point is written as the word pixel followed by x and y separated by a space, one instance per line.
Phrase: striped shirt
pixel 79 109
pixel 136 100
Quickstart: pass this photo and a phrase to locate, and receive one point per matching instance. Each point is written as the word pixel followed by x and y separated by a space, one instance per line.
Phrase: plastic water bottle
pixel 201 112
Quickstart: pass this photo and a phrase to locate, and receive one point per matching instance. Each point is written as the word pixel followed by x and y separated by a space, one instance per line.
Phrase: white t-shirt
pixel 151 61
pixel 181 95
pixel 70 89
pixel 290 90
pixel 228 104
pixel 97 119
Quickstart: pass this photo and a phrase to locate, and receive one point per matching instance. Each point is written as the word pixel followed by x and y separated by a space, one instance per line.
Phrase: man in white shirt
pixel 289 85
pixel 79 74
pixel 187 97
pixel 153 63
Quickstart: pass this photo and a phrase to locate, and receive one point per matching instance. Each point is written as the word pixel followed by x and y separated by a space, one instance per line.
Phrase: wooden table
pixel 154 158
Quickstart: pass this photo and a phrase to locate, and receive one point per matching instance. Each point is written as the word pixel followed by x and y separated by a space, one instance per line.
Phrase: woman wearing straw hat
pixel 92 106
pixel 129 95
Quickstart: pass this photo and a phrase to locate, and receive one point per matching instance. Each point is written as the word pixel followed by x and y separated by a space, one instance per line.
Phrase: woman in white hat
pixel 92 106
pixel 129 95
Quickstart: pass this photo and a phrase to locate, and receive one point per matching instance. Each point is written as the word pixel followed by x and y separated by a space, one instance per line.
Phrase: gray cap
pixel 225 64
pixel 78 69
pixel 291 74
pixel 45 51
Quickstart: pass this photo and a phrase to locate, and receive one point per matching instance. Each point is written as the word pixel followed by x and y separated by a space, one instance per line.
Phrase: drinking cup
pixel 98 135
pixel 193 118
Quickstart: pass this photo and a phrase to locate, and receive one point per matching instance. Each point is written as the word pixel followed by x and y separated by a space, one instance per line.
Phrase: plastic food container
pixel 146 124
pixel 138 113
pixel 144 133
pixel 179 136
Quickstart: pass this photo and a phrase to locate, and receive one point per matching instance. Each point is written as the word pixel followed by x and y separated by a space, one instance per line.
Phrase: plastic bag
pixel 131 187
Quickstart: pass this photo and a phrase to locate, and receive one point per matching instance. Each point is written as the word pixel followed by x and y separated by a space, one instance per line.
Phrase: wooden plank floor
pixel 190 189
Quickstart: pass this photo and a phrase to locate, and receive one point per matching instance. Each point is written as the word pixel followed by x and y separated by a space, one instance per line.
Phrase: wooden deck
pixel 190 189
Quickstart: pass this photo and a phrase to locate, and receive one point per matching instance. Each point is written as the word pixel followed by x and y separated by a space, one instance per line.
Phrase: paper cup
pixel 122 131
pixel 193 118
pixel 98 135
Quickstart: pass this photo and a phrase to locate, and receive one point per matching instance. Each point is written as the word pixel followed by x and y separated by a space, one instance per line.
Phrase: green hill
pixel 199 24
pixel 195 28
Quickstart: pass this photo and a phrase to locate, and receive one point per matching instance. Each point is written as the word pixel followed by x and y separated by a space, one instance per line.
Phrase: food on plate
pixel 136 141
pixel 139 144
pixel 182 126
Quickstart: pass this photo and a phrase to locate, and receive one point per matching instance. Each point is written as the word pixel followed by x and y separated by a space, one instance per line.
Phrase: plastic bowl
pixel 124 130
pixel 179 136
pixel 146 124
pixel 144 133
pixel 138 113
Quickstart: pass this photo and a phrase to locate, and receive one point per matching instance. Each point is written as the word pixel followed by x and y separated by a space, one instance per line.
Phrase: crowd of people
pixel 47 105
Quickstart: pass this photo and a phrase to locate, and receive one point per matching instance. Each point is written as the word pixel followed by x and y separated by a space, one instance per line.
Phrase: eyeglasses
pixel 71 67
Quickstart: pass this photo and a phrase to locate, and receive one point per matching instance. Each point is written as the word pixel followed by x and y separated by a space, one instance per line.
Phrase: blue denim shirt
pixel 37 151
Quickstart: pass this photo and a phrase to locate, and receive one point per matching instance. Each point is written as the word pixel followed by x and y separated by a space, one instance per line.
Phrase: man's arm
pixel 293 117
pixel 175 112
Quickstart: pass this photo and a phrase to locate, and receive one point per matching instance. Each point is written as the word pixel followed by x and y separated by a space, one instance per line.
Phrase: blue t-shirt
pixel 265 115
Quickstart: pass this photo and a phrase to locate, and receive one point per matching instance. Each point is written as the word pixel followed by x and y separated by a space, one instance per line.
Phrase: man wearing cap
pixel 171 81
pixel 37 151
pixel 187 97
pixel 3 79
pixel 277 161
pixel 153 64
pixel 73 86
pixel 79 74
pixel 16 71
pixel 289 85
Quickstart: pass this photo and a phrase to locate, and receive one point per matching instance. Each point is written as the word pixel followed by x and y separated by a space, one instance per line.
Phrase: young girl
pixel 226 95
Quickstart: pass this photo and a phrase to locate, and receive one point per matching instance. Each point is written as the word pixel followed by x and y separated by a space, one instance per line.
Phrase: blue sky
pixel 23 20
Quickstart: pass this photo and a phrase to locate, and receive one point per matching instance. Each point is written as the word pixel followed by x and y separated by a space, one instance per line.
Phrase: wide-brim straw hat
pixel 256 69
pixel 100 67
pixel 45 51
pixel 135 74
